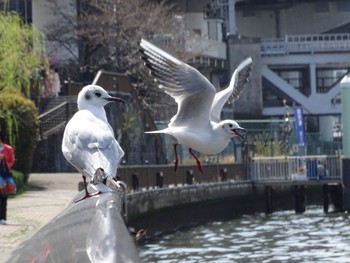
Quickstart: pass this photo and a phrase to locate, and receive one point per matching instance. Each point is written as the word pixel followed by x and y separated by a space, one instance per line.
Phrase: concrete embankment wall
pixel 162 210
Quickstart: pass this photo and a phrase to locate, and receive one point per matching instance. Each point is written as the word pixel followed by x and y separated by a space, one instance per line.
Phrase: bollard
pixel 299 199
pixel 135 182
pixel 189 177
pixel 325 198
pixel 268 200
pixel 159 179
pixel 223 175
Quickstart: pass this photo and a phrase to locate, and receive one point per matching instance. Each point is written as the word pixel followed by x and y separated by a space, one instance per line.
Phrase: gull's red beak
pixel 240 132
pixel 115 99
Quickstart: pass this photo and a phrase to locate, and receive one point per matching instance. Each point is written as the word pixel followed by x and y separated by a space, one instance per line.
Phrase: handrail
pixel 53 109
pixel 293 168
pixel 53 120
pixel 306 44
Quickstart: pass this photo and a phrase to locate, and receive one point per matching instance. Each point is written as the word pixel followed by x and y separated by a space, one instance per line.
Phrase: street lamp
pixel 286 130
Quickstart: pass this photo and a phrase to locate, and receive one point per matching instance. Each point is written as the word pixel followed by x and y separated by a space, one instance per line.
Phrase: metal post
pixel 325 198
pixel 299 199
pixel 148 184
pixel 268 200
pixel 345 102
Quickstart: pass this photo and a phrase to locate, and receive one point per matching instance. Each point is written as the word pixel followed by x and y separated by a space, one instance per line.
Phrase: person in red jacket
pixel 6 154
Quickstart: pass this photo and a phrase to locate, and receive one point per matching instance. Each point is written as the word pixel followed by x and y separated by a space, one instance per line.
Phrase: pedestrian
pixel 56 82
pixel 6 155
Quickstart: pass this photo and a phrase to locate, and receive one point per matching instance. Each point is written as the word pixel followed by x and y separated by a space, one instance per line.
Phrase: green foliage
pixel 20 181
pixel 19 119
pixel 21 51
pixel 130 127
pixel 265 147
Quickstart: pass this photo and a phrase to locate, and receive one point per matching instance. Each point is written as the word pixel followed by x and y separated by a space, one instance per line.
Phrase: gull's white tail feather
pixel 99 176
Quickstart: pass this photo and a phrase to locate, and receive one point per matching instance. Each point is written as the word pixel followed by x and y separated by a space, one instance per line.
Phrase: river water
pixel 280 237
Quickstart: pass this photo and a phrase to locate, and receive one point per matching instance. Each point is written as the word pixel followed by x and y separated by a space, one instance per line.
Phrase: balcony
pixel 306 44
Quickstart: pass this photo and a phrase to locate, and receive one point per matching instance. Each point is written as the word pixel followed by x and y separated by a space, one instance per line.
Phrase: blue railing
pixel 296 168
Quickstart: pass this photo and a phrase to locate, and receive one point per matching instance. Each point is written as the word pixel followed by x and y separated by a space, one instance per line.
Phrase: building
pixel 300 50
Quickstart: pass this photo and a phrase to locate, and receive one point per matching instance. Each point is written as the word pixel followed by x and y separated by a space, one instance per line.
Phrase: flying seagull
pixel 88 141
pixel 197 123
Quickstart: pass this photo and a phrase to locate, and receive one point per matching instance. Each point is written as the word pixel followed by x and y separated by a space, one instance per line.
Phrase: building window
pixel 213 30
pixel 343 6
pixel 22 7
pixel 322 7
pixel 248 13
pixel 197 31
pixel 328 78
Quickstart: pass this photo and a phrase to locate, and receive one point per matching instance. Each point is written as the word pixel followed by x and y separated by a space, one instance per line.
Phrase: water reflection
pixel 280 237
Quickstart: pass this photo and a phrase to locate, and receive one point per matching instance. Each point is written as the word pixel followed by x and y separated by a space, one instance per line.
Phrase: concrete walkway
pixel 47 196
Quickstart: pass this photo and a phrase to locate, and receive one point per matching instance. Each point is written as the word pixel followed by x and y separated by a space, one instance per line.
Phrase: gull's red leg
pixel 87 194
pixel 176 158
pixel 199 167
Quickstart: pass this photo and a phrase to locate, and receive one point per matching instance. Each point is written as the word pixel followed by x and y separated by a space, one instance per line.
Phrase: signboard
pixel 299 125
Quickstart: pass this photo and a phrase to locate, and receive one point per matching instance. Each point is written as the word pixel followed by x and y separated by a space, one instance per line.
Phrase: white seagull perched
pixel 88 142
pixel 197 123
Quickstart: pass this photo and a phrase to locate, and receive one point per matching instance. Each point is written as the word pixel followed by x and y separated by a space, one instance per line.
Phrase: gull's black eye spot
pixel 98 94
pixel 87 96
pixel 230 125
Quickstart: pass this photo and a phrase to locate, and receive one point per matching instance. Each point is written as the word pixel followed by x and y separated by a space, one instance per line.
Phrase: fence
pixel 149 176
pixel 53 120
pixel 306 44
pixel 315 167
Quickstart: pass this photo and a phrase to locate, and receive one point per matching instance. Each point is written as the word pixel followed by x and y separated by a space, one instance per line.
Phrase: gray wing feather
pixel 193 93
pixel 239 78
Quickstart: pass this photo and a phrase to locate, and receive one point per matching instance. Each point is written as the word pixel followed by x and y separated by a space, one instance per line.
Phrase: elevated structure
pixel 306 71
pixel 297 62
pixel 300 61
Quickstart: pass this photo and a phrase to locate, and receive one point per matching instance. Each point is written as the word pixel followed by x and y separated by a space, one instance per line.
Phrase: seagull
pixel 197 123
pixel 88 142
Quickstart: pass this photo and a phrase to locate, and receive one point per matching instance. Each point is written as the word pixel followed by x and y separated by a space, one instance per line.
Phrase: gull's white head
pixel 93 95
pixel 232 129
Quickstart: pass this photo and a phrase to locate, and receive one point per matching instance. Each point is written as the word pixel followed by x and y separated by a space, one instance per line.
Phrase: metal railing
pixel 53 120
pixel 306 44
pixel 140 177
pixel 296 168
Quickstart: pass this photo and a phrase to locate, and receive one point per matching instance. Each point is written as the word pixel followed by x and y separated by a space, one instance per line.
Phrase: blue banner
pixel 299 125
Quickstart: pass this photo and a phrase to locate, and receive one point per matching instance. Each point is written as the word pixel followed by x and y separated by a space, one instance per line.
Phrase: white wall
pixel 46 15
pixel 326 127
pixel 302 18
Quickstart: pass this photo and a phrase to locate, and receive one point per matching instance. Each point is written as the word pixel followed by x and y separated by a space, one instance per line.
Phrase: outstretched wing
pixel 239 78
pixel 192 92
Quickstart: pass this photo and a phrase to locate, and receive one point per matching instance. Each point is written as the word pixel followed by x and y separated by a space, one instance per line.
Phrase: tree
pixel 21 51
pixel 109 32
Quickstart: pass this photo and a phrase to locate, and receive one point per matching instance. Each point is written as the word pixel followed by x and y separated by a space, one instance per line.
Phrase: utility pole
pixel 345 161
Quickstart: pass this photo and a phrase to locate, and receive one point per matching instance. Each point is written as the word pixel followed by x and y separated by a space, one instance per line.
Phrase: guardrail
pixel 295 168
pixel 306 44
pixel 138 177
pixel 53 120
